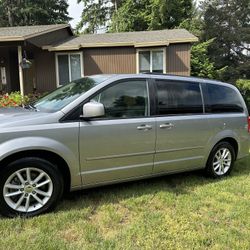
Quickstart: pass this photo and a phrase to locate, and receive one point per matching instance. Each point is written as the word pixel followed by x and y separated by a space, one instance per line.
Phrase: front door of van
pixel 121 144
pixel 182 128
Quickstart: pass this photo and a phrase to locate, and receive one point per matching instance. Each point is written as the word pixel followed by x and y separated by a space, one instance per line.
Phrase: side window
pixel 125 100
pixel 176 98
pixel 222 99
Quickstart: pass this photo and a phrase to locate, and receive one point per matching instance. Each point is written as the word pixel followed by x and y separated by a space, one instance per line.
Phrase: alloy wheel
pixel 222 161
pixel 28 190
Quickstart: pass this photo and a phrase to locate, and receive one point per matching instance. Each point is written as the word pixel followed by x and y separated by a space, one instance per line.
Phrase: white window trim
pixel 163 49
pixel 57 66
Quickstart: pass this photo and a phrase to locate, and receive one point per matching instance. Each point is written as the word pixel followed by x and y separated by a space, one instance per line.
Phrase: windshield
pixel 64 95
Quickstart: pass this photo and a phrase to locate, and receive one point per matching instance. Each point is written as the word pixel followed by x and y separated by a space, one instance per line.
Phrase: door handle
pixel 144 127
pixel 167 125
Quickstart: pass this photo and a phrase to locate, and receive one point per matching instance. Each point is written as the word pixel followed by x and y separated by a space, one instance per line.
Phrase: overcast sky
pixel 75 11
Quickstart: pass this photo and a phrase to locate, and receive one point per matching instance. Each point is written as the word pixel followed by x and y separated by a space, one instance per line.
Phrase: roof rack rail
pixel 160 74
pixel 193 77
pixel 153 73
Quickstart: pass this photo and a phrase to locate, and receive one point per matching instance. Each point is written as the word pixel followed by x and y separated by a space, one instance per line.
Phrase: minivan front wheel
pixel 221 160
pixel 29 186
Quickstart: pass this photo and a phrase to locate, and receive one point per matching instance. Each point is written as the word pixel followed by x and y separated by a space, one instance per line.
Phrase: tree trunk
pixel 10 19
pixel 115 3
pixel 116 9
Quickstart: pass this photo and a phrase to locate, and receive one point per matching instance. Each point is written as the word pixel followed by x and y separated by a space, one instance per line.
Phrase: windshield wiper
pixel 30 107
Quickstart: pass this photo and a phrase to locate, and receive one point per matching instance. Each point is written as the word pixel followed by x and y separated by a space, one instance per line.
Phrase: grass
pixel 184 211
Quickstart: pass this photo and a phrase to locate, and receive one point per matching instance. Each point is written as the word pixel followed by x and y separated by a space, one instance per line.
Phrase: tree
pixel 201 64
pixel 194 23
pixel 228 22
pixel 130 15
pixel 97 14
pixel 244 87
pixel 150 15
pixel 30 12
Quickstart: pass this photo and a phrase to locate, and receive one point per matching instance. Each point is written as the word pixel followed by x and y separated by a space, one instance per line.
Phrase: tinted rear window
pixel 222 99
pixel 178 98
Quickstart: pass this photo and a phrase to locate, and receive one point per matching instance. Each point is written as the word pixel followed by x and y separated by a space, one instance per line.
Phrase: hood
pixel 15 111
pixel 18 116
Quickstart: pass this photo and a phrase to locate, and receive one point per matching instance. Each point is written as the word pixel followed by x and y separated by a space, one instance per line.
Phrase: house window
pixel 69 67
pixel 151 61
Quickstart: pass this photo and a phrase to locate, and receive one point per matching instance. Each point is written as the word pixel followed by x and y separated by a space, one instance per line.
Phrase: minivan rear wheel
pixel 221 160
pixel 29 187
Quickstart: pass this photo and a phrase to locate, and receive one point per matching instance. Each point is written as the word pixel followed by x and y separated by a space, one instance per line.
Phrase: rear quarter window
pixel 222 99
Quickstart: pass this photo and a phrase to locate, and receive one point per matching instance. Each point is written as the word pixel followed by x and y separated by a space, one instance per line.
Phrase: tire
pixel 221 160
pixel 28 187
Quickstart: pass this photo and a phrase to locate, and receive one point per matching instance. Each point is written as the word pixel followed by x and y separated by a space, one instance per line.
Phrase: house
pixel 47 56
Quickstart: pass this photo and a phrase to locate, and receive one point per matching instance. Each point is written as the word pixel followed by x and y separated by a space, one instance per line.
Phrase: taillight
pixel 249 124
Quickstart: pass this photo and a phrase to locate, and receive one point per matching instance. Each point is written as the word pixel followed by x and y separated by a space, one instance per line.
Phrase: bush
pixel 13 99
pixel 244 87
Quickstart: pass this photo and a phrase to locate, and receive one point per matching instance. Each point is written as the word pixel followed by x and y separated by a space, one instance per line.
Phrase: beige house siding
pixel 178 59
pixel 109 61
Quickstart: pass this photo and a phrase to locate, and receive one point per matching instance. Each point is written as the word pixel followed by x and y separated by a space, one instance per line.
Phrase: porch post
pixel 20 58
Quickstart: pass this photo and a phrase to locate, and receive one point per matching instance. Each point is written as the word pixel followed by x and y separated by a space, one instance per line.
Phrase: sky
pixel 75 11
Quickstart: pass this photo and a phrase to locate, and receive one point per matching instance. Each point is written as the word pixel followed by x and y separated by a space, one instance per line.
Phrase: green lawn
pixel 185 211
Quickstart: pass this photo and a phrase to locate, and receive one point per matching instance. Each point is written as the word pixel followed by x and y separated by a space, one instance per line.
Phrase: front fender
pixel 22 144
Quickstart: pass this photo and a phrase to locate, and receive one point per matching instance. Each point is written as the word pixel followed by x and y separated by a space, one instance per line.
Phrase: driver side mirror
pixel 93 110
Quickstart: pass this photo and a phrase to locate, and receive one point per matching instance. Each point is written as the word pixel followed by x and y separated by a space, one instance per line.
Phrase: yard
pixel 185 211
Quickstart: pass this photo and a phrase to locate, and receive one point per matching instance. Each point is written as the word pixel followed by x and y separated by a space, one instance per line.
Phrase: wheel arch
pixel 232 142
pixel 46 155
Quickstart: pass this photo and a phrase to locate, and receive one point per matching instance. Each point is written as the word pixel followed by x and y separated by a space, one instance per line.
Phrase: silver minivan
pixel 106 129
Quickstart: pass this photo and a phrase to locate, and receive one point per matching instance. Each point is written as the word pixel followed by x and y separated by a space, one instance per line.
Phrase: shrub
pixel 13 99
pixel 244 87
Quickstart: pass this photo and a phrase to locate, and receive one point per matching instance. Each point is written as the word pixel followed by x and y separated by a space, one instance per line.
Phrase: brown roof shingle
pixel 21 33
pixel 136 39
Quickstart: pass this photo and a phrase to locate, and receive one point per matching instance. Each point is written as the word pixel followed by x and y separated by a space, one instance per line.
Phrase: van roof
pixel 170 77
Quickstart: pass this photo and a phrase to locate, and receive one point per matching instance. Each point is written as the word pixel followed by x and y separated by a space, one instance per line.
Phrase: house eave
pixel 190 40
pixel 120 44
pixel 150 44
pixel 12 39
pixel 61 48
